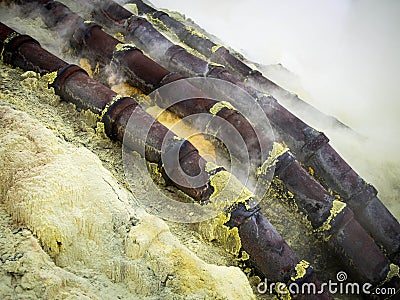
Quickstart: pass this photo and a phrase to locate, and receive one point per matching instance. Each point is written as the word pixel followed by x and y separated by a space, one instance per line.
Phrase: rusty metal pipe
pixel 370 212
pixel 74 85
pixel 321 207
pixel 24 52
pixel 311 146
pixel 335 222
pixel 89 39
pixel 116 117
pixel 221 55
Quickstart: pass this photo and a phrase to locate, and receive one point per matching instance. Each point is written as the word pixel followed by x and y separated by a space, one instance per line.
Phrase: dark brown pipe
pixel 311 146
pixel 277 259
pixel 74 85
pixel 22 51
pixel 68 85
pixel 311 196
pixel 335 221
pixel 370 212
pixel 146 74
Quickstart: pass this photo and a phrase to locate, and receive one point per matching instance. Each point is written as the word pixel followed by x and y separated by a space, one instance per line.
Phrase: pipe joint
pixel 240 213
pixel 78 39
pixel 12 43
pixel 112 113
pixel 63 74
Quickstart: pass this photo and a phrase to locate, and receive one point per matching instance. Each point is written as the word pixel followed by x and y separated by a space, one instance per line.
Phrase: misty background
pixel 344 59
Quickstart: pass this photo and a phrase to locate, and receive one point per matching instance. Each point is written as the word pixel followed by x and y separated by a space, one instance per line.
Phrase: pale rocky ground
pixel 70 231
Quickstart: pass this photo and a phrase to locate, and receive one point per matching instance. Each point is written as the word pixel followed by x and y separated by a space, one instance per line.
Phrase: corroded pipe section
pixel 72 83
pixel 310 194
pixel 88 38
pixel 75 85
pixel 311 146
pixel 298 135
pixel 274 264
pixel 22 51
pixel 221 55
pixel 370 212
pixel 335 222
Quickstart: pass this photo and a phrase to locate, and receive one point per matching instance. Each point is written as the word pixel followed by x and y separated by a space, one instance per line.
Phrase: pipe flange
pixel 12 44
pixel 63 74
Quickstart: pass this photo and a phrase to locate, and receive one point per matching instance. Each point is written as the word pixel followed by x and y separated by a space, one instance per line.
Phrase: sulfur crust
pixel 158 23
pixel 228 190
pixel 126 89
pixel 277 150
pixel 124 47
pixel 31 78
pixel 216 47
pixel 108 105
pixel 59 180
pixel 196 32
pixel 175 123
pixel 6 41
pixel 85 64
pixel 393 272
pixel 215 230
pixel 301 270
pixel 164 30
pixel 216 108
pixel 337 207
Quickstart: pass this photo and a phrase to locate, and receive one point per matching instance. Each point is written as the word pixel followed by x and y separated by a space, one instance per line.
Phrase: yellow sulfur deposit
pixel 6 41
pixel 126 89
pixel 124 47
pixel 216 47
pixel 50 77
pixel 301 270
pixel 337 207
pixel 85 64
pixel 277 150
pixel 158 23
pixel 393 272
pixel 196 32
pixel 227 192
pixel 216 108
pixel 115 99
pixel 182 129
pixel 215 230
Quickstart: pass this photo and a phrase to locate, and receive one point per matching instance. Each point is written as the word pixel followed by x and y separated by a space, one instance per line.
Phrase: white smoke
pixel 346 55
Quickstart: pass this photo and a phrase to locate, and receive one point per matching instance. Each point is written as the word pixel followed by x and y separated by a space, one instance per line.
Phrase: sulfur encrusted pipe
pixel 218 53
pixel 311 146
pixel 314 203
pixel 74 85
pixel 91 41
